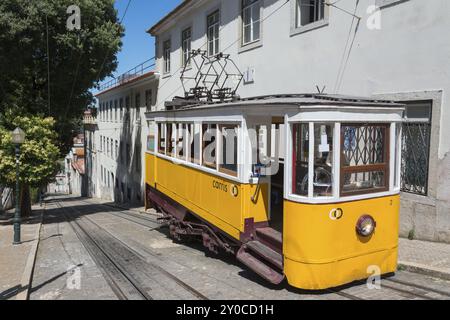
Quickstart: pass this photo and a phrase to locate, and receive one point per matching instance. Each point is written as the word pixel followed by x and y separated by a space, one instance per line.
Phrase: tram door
pixel 270 158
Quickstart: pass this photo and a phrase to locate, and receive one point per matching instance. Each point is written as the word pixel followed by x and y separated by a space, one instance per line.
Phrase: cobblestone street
pixel 90 250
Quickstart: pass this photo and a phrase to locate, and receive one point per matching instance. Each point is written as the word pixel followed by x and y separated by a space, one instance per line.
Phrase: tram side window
pixel 180 141
pixel 193 139
pixel 228 149
pixel 364 158
pixel 171 139
pixel 162 138
pixel 209 132
pixel 323 160
pixel 300 158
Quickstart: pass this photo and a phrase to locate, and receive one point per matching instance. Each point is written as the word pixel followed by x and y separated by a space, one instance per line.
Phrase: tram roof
pixel 310 100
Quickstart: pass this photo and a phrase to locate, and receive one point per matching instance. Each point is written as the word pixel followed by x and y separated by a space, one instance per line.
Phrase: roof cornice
pixel 181 9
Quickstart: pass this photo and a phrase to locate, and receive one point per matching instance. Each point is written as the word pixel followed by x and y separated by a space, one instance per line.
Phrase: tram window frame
pixel 295 154
pixel 193 136
pixel 162 138
pixel 324 166
pixel 205 144
pixel 381 167
pixel 220 151
pixel 180 141
pixel 171 131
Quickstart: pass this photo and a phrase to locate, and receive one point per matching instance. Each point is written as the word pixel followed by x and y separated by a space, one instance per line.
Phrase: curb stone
pixel 425 270
pixel 29 267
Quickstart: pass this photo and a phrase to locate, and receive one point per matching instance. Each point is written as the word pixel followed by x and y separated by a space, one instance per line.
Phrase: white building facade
pixel 390 49
pixel 116 138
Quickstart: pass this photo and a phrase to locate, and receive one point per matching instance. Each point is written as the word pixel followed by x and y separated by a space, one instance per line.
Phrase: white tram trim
pixel 294 111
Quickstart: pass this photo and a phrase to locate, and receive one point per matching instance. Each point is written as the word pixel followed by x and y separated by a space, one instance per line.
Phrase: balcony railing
pixel 128 76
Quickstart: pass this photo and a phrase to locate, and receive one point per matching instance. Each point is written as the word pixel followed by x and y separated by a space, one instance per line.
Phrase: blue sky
pixel 138 45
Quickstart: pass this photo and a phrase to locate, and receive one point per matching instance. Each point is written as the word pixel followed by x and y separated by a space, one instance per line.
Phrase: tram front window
pixel 300 158
pixel 365 158
pixel 323 160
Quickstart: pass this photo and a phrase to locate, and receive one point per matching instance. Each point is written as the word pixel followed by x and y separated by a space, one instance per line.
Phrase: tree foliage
pixel 78 59
pixel 38 155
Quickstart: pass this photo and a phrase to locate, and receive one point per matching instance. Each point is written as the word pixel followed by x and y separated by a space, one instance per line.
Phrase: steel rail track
pixel 153 265
pixel 408 292
pixel 106 263
pixel 169 275
pixel 121 213
pixel 345 294
pixel 418 286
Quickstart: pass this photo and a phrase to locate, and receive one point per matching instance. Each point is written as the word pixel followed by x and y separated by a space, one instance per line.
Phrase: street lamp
pixel 18 137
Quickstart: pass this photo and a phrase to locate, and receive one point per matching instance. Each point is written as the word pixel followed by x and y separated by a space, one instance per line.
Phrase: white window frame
pixel 215 27
pixel 167 56
pixel 297 28
pixel 186 45
pixel 186 161
pixel 255 5
pixel 394 166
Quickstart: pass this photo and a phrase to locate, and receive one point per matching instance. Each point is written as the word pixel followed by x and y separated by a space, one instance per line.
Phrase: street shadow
pixel 11 292
pixel 32 219
pixel 43 284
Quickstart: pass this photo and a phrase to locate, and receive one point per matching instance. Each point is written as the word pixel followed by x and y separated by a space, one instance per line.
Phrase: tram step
pixel 256 263
pixel 271 238
pixel 266 253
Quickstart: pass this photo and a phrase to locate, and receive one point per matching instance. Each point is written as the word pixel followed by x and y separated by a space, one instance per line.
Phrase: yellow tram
pixel 299 187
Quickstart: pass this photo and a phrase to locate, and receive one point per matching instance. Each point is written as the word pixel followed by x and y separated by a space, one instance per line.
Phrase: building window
pixel 309 11
pixel 137 153
pixel 121 151
pixel 251 21
pixel 166 50
pixel 115 110
pixel 416 137
pixel 138 101
pixel 213 23
pixel 127 103
pixel 117 150
pixel 121 109
pixel 186 37
pixel 128 154
pixel 148 99
pixel 364 158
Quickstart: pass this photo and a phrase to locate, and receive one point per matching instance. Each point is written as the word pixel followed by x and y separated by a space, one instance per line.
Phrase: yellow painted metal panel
pixel 337 273
pixel 150 173
pixel 259 208
pixel 315 244
pixel 219 201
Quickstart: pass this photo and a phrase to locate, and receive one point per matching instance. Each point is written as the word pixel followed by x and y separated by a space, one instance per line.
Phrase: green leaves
pixel 39 155
pixel 79 59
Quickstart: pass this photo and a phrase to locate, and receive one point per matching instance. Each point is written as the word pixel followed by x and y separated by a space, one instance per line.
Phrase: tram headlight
pixel 366 226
